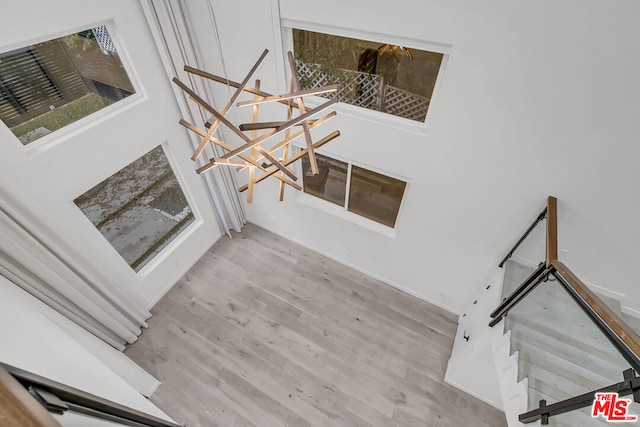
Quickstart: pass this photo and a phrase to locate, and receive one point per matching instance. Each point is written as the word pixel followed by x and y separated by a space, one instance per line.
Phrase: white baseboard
pixel 359 269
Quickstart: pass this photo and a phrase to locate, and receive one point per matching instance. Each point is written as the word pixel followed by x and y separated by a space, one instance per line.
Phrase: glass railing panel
pixel 560 350
pixel 524 260
pixel 515 273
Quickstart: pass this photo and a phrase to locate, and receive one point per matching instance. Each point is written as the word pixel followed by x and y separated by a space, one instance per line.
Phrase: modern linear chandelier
pixel 266 154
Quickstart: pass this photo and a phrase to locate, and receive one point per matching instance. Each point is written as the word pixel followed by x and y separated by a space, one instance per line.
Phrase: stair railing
pixel 25 390
pixel 623 338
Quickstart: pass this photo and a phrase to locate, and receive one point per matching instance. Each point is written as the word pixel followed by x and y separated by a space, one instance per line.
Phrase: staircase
pixel 560 350
pixel 546 348
pixel 543 346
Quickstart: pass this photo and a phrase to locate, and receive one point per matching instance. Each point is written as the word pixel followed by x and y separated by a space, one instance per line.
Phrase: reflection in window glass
pixel 384 77
pixel 331 181
pixel 139 209
pixel 375 196
pixel 48 85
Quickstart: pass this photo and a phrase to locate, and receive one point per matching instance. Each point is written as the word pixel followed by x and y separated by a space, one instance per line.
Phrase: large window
pixel 364 192
pixel 390 78
pixel 139 209
pixel 48 85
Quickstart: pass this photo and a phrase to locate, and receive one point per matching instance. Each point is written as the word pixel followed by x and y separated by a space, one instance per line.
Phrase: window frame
pixel 159 257
pixel 360 112
pixel 343 211
pixel 56 137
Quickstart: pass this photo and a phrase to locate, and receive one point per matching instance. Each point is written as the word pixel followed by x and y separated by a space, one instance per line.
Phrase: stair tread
pixel 578 352
pixel 577 373
pixel 553 386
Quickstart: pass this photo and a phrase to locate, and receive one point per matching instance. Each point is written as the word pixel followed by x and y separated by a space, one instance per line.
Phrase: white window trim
pixel 185 234
pixel 342 211
pixel 56 137
pixel 161 256
pixel 365 113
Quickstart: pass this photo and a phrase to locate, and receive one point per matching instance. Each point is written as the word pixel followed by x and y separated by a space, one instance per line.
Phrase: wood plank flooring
pixel 262 332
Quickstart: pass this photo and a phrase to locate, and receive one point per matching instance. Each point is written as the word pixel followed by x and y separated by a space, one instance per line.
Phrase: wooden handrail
pixel 18 408
pixel 80 401
pixel 609 317
pixel 552 231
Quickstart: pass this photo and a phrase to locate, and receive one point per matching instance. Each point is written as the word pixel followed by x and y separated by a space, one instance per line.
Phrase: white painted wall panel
pixel 538 98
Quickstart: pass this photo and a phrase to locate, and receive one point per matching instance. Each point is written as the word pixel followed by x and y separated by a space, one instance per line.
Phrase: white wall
pixel 32 341
pixel 41 180
pixel 538 98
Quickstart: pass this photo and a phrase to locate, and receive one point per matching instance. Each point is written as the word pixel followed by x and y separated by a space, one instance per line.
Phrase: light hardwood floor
pixel 262 332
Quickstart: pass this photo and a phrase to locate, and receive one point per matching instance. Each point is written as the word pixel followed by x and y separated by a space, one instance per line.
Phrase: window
pixel 390 78
pixel 331 181
pixel 48 85
pixel 375 196
pixel 370 194
pixel 139 209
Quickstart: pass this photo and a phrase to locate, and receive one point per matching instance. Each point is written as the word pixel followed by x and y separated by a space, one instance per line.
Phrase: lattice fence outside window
pixel 103 38
pixel 400 102
pixel 356 88
pixel 364 90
